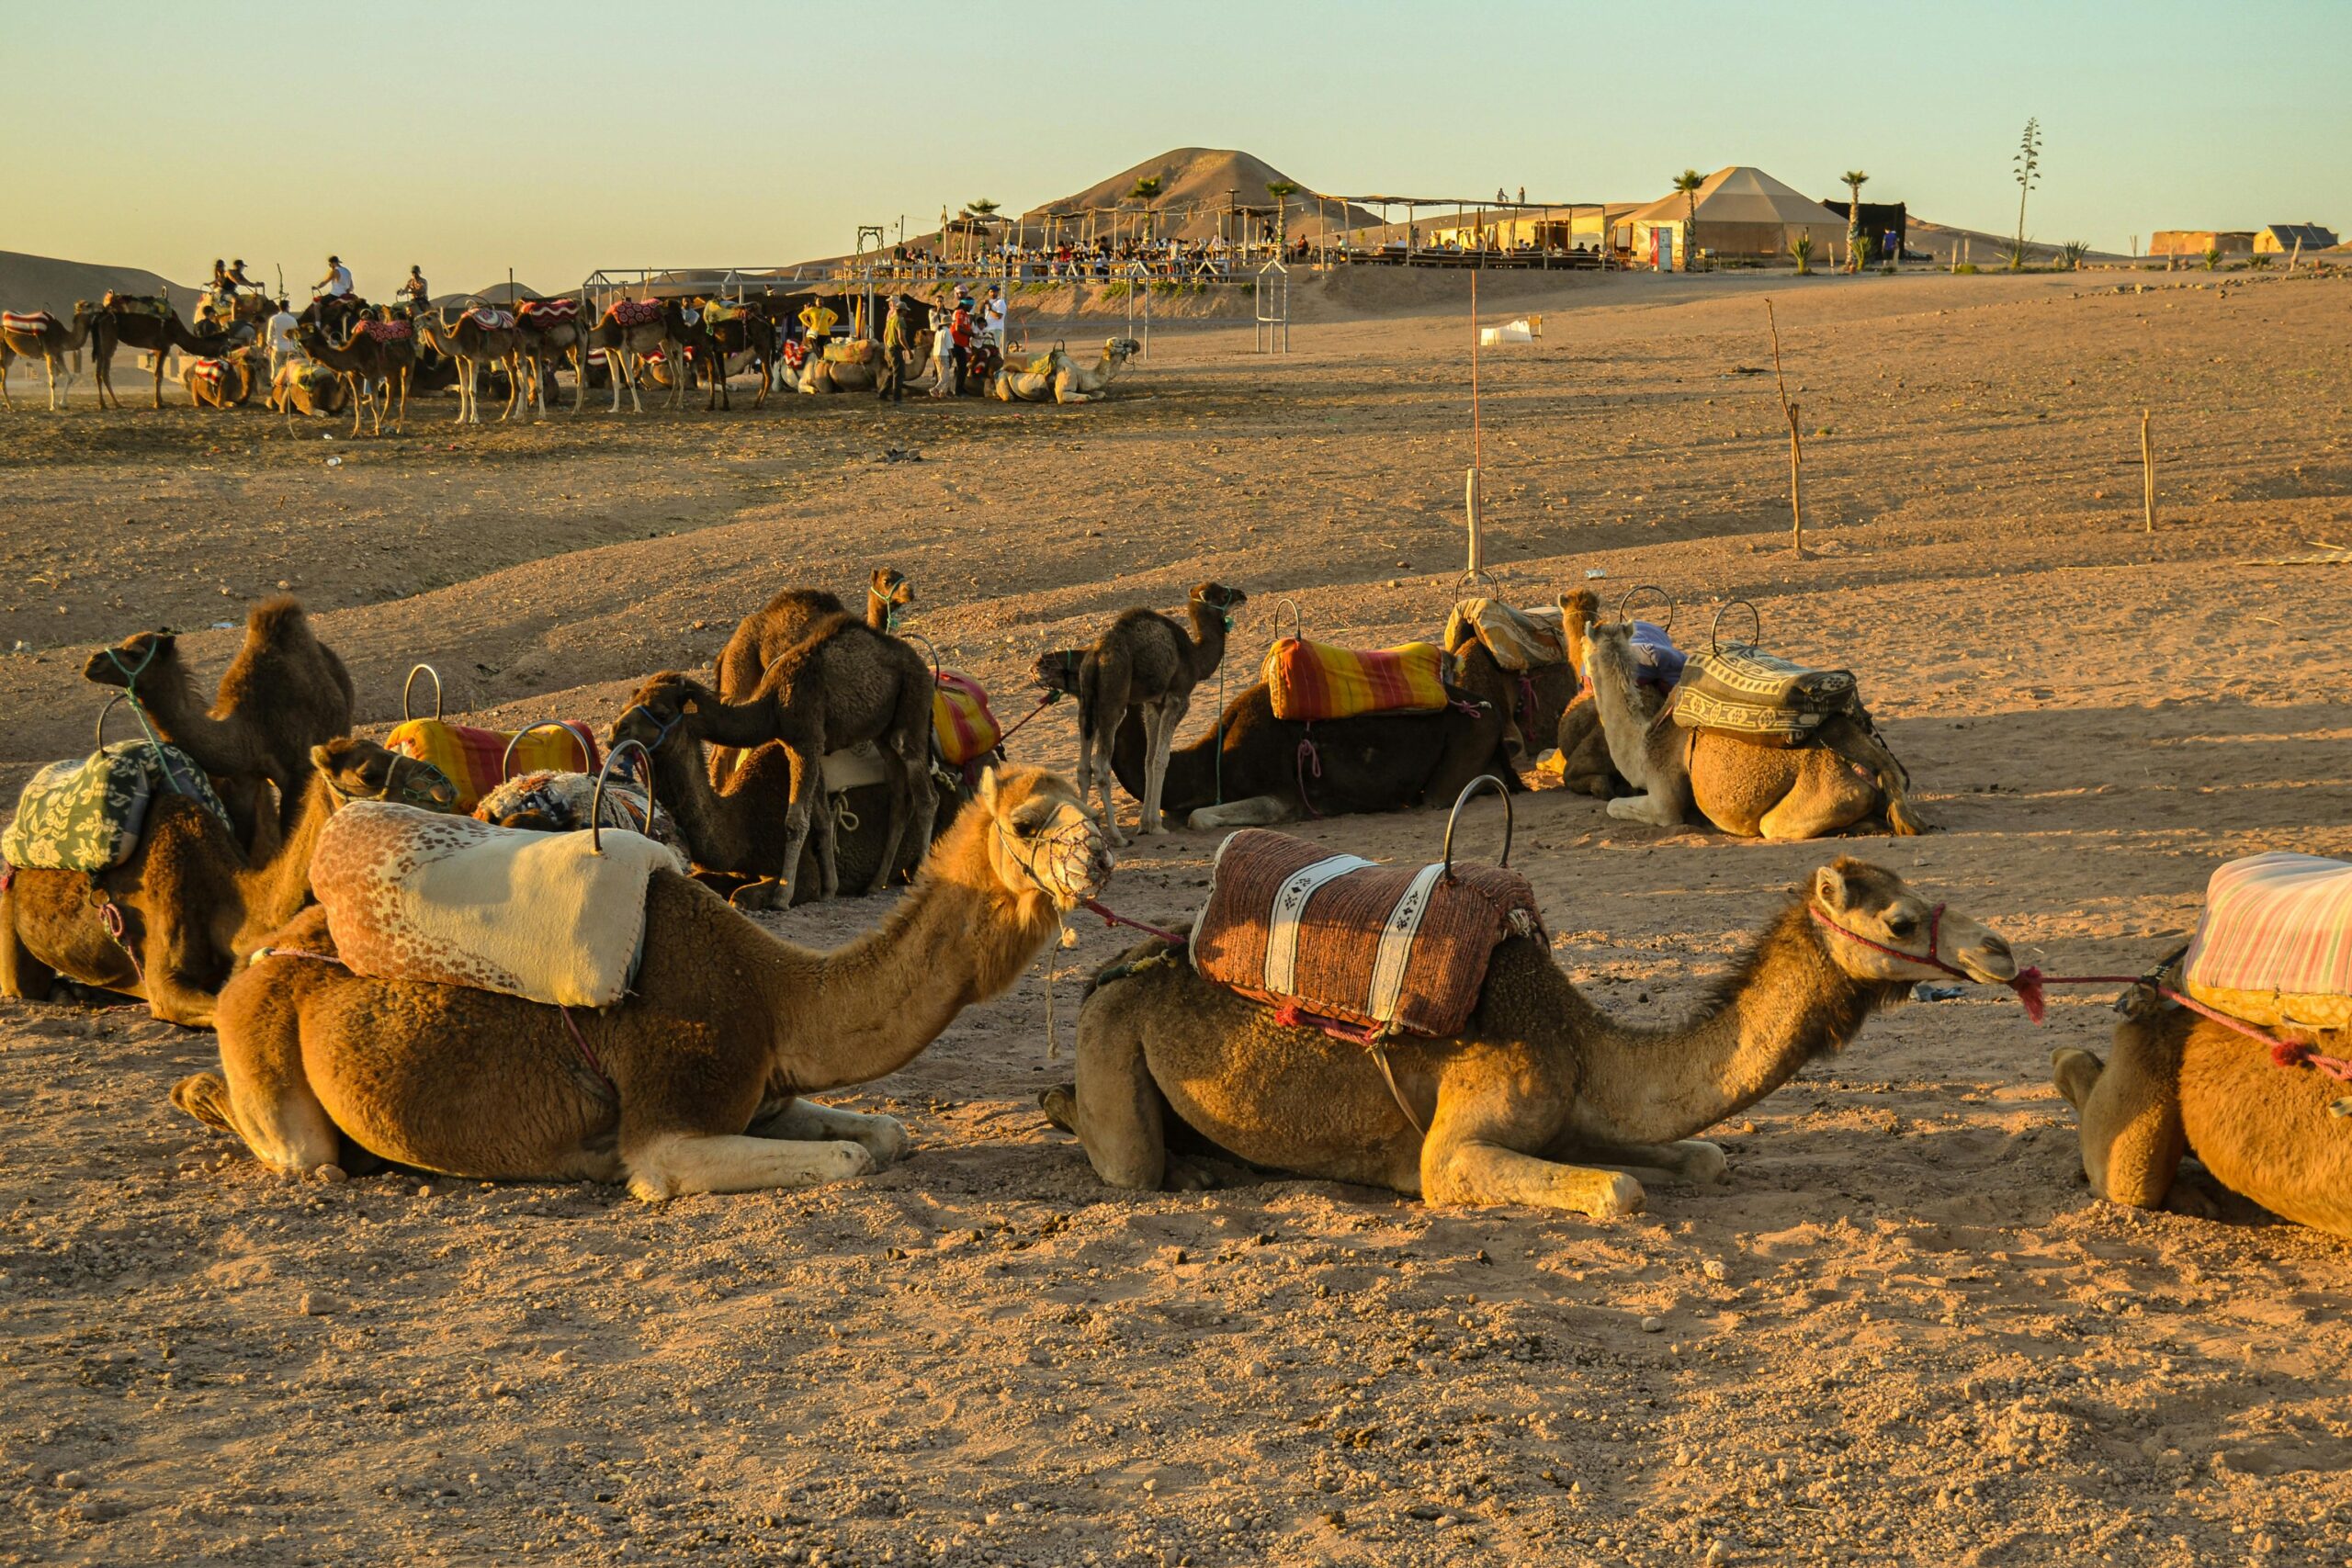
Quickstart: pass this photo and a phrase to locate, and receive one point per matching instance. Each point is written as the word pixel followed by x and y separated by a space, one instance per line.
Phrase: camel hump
pixel 279 618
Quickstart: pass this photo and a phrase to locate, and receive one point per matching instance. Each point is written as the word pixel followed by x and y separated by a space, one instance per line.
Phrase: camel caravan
pixel 541 955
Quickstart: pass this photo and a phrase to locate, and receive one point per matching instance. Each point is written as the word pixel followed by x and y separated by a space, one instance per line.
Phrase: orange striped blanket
pixel 474 758
pixel 960 720
pixel 1315 679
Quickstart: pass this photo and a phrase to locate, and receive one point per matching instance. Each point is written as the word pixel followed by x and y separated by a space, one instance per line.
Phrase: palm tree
pixel 1855 180
pixel 1687 183
pixel 981 209
pixel 1147 190
pixel 1281 191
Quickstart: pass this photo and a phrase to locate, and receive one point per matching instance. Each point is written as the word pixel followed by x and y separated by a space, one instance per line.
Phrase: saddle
pixel 475 760
pixel 137 304
pixel 857 351
pixel 89 815
pixel 419 895
pixel 1741 690
pixel 28 323
pixel 395 330
pixel 796 354
pixel 718 312
pixel 634 312
pixel 565 802
pixel 961 725
pixel 488 318
pixel 1387 949
pixel 1521 640
pixel 548 313
pixel 1315 679
pixel 2274 946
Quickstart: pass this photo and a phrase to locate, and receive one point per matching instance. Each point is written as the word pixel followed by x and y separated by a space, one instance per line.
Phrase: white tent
pixel 1741 211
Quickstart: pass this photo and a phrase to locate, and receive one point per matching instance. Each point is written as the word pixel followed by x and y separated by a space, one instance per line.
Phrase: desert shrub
pixel 1966 268
pixel 1802 249
pixel 2213 258
pixel 2071 255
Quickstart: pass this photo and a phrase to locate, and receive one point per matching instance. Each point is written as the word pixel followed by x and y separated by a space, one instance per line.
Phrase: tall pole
pixel 1470 498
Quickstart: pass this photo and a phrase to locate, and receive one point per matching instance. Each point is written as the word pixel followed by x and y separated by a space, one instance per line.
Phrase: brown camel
pixel 1539 1090
pixel 750 333
pixel 2177 1084
pixel 187 904
pixel 307 389
pixel 1846 775
pixel 696 1076
pixel 37 335
pixel 479 340
pixel 844 685
pixel 1145 662
pixel 1583 763
pixel 284 693
pixel 760 638
pixel 550 338
pixel 1533 702
pixel 381 356
pixel 146 323
pixel 633 329
pixel 223 383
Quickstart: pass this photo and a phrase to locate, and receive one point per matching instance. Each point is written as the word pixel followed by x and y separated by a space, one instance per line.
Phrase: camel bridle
pixel 1930 959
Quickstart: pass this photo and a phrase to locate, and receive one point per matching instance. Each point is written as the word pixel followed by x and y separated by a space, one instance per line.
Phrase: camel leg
pixel 1473 1173
pixel 1162 738
pixel 1664 807
pixel 1115 1109
pixel 1804 814
pixel 825 824
pixel 1257 811
pixel 675 1164
pixel 1689 1160
pixel 2129 1109
pixel 513 389
pixel 21 974
pixel 805 1120
pixel 902 805
pixel 805 785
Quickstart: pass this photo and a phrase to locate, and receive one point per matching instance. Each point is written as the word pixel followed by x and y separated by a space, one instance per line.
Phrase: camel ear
pixel 986 793
pixel 1830 889
pixel 322 757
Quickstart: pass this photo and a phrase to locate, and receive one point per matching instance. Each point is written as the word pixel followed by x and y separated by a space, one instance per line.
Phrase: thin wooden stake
pixel 2147 473
pixel 1796 444
pixel 1470 498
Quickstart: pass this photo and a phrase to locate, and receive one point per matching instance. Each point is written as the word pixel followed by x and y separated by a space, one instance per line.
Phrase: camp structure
pixel 2285 238
pixel 1739 212
pixel 2198 242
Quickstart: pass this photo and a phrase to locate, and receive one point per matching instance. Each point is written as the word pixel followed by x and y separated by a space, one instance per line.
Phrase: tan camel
pixel 226 382
pixel 2177 1084
pixel 1584 764
pixel 145 322
pixel 843 685
pixel 762 637
pixel 306 387
pixel 481 339
pixel 284 693
pixel 630 330
pixel 37 335
pixel 1064 380
pixel 172 922
pixel 1846 776
pixel 1539 1090
pixel 548 340
pixel 369 363
pixel 696 1076
pixel 1146 663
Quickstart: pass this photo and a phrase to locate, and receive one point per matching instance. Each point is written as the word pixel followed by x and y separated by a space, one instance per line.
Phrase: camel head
pixel 1576 612
pixel 361 769
pixel 1605 649
pixel 1218 596
pixel 658 714
pixel 1876 927
pixel 146 657
pixel 892 587
pixel 1119 350
pixel 1058 671
pixel 1044 839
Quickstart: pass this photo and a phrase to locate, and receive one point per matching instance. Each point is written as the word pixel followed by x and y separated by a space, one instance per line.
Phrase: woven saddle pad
pixel 1759 696
pixel 1315 679
pixel 1519 639
pixel 2274 946
pixel 634 312
pixel 1384 947
pixel 547 312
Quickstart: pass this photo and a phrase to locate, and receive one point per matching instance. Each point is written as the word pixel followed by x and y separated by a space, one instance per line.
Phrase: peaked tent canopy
pixel 1742 211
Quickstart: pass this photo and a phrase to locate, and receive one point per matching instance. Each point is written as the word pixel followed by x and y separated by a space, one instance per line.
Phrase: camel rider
pixel 336 284
pixel 238 282
pixel 223 286
pixel 817 319
pixel 414 291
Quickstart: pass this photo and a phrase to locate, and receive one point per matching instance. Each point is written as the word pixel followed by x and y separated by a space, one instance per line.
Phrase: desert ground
pixel 1900 1331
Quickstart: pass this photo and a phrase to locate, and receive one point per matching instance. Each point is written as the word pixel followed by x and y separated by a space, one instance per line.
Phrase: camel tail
pixel 1090 676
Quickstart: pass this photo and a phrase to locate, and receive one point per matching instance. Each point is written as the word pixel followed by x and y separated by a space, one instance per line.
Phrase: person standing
pixel 943 355
pixel 960 332
pixel 890 376
pixel 992 317
pixel 817 319
pixel 283 346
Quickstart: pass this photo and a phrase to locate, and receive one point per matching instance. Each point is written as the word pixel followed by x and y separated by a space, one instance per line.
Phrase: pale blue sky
pixel 471 137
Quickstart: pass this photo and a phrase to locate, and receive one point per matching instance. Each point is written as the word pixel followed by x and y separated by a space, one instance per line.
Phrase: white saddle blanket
pixel 414 895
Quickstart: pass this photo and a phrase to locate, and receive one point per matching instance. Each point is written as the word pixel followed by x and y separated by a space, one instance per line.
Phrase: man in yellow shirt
pixel 816 320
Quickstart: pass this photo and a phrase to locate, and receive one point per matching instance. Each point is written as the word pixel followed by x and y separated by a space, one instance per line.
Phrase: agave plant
pixel 2016 255
pixel 1802 249
pixel 2072 254
pixel 2213 258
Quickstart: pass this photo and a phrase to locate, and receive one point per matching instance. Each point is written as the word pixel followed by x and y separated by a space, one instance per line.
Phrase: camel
pixel 1255 770
pixel 762 637
pixel 632 329
pixel 843 684
pixel 1533 703
pixel 1846 775
pixel 691 1085
pixel 306 387
pixel 750 333
pixel 1537 1095
pixel 146 323
pixel 479 339
pixel 1063 380
pixel 170 923
pixel 283 694
pixel 223 383
pixel 2177 1084
pixel 379 354
pixel 37 335
pixel 548 340
pixel 1145 663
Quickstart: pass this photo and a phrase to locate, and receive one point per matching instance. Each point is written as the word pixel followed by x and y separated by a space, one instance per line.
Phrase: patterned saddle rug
pixel 419 895
pixel 137 304
pixel 562 803
pixel 856 351
pixel 549 312
pixel 1315 679
pixel 961 724
pixel 1755 696
pixel 634 312
pixel 89 816
pixel 27 323
pixel 475 760
pixel 394 331
pixel 1386 948
pixel 1519 639
pixel 488 318
pixel 796 354
pixel 2274 946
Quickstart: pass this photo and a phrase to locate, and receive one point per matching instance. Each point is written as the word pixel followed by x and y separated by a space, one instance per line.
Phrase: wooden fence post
pixel 1796 448
pixel 2147 474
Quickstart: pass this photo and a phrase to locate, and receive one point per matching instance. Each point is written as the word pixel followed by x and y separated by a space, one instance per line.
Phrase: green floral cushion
pixel 87 816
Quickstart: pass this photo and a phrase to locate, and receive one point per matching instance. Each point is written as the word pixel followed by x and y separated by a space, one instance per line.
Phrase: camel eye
pixel 1900 925
pixel 1026 827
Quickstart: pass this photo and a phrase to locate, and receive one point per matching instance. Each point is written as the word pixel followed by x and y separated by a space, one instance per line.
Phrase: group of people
pixel 959 334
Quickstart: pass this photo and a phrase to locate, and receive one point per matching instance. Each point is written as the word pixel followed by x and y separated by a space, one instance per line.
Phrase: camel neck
pixel 1208 637
pixel 742 725
pixel 1787 1003
pixel 275 891
pixel 1622 725
pixel 716 836
pixel 960 935
pixel 217 745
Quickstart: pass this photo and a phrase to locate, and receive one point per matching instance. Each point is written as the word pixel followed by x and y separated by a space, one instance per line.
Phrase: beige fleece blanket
pixel 414 895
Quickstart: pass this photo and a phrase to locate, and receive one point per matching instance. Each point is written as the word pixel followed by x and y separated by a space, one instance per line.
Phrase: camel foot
pixel 1188 1175
pixel 205 1097
pixel 1060 1105
pixel 803 1121
pixel 683 1163
pixel 1621 1196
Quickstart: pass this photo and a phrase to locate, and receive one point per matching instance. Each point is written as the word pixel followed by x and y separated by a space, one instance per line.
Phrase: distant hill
pixel 45 283
pixel 1195 184
pixel 496 294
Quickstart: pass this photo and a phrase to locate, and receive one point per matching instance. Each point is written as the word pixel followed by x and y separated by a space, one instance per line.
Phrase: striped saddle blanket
pixel 1383 948
pixel 475 760
pixel 1314 679
pixel 2275 944
pixel 488 318
pixel 205 372
pixel 393 331
pixel 1759 696
pixel 1519 639
pixel 27 323
pixel 556 802
pixel 961 724
pixel 89 815
pixel 634 312
pixel 549 312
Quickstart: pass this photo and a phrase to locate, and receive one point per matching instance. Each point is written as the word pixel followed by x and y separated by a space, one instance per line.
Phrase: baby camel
pixel 1147 663
pixel 698 1073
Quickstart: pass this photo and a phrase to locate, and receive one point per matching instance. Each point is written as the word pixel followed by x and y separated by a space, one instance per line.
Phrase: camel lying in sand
pixel 698 1073
pixel 1539 1092
pixel 1063 380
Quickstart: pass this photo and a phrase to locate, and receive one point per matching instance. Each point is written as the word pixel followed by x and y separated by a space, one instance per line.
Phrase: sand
pixel 1900 1331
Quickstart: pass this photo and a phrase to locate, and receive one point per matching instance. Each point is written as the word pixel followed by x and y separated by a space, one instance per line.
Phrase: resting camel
pixel 1541 1089
pixel 307 389
pixel 223 383
pixel 701 1068
pixel 549 338
pixel 760 638
pixel 146 323
pixel 37 335
pixel 2176 1083
pixel 283 694
pixel 189 902
pixel 1533 702
pixel 844 685
pixel 479 339
pixel 632 329
pixel 1846 775
pixel 1145 664
pixel 380 354
pixel 1064 380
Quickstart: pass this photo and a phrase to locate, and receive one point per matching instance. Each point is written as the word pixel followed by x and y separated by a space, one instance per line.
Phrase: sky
pixel 557 139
